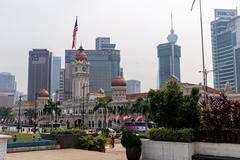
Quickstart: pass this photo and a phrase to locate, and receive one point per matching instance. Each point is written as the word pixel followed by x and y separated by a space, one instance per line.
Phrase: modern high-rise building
pixel 104 66
pixel 133 86
pixel 61 85
pixel 225 36
pixel 169 59
pixel 39 71
pixel 103 43
pixel 7 82
pixel 56 68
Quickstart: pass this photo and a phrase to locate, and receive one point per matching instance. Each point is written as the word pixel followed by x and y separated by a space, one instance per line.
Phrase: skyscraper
pixel 169 59
pixel 103 43
pixel 7 82
pixel 61 86
pixel 226 49
pixel 56 67
pixel 39 71
pixel 104 66
pixel 133 86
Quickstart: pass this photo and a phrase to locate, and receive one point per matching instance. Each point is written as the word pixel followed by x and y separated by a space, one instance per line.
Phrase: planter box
pixel 65 140
pixel 161 150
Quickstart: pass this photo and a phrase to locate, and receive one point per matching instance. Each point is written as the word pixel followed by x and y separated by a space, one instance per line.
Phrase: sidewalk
pixel 118 153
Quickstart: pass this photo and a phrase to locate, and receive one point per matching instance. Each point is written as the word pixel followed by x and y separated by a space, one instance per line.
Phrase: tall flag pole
pixel 74 34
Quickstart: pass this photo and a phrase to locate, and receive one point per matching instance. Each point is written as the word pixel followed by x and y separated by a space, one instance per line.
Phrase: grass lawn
pixel 21 137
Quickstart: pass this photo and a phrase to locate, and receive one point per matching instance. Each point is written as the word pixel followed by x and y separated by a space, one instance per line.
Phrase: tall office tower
pixel 104 66
pixel 133 86
pixel 226 49
pixel 103 43
pixel 56 67
pixel 169 59
pixel 39 71
pixel 7 82
pixel 61 85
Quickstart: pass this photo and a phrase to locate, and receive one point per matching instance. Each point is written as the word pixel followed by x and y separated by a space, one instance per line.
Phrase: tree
pixel 142 106
pixel 5 113
pixel 105 105
pixel 51 108
pixel 170 108
pixel 29 113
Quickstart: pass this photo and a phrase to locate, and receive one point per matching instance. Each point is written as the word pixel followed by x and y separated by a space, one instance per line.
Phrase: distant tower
pixel 169 58
pixel 80 75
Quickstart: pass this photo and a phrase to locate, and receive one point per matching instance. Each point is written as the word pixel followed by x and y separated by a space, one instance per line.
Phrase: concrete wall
pixel 161 150
pixel 218 149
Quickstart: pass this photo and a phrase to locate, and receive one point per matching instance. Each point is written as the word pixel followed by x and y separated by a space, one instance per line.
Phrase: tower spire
pixel 172 37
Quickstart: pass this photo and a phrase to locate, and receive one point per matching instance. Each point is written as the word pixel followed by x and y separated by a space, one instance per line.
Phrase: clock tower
pixel 80 75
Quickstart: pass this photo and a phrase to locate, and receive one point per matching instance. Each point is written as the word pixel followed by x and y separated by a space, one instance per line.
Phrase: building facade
pixel 133 86
pixel 226 49
pixel 56 68
pixel 7 82
pixel 39 71
pixel 61 86
pixel 103 43
pixel 168 59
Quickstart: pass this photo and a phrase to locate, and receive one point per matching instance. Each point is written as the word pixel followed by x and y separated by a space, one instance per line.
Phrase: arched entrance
pixel 78 123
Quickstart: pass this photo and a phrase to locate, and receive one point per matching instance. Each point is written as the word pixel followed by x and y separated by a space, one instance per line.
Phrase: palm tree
pixel 105 105
pixel 50 108
pixel 142 106
pixel 29 114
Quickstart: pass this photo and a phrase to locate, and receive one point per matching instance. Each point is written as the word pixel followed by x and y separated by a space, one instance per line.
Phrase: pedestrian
pixel 112 140
pixel 15 138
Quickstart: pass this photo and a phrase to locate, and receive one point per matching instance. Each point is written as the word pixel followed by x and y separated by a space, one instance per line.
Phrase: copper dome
pixel 81 55
pixel 43 93
pixel 118 81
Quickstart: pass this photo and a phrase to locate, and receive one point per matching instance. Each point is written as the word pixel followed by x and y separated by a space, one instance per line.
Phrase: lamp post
pixel 35 113
pixel 19 113
pixel 202 41
pixel 205 73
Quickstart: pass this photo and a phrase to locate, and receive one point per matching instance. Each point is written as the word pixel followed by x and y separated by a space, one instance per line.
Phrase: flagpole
pixel 203 57
pixel 76 36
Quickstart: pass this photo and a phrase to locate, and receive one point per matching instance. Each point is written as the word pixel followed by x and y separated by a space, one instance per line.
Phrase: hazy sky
pixel 136 26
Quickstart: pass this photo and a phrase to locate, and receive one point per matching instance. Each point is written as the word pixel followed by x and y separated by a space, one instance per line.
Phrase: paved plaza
pixel 118 153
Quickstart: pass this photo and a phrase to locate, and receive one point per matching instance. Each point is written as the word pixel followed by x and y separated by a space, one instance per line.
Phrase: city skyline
pixel 136 27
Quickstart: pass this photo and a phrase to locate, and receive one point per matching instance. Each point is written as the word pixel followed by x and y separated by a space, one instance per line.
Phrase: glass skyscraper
pixel 226 49
pixel 168 60
pixel 56 68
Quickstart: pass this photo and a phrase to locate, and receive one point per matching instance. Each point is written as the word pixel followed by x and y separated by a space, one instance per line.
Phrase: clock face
pixel 84 69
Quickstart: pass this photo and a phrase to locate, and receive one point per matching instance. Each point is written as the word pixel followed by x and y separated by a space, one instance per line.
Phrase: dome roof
pixel 43 93
pixel 118 81
pixel 81 55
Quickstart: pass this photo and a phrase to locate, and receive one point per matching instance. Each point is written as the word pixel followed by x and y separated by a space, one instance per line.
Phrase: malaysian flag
pixel 74 34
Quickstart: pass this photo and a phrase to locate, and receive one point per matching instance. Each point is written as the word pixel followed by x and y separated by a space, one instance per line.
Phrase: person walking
pixel 112 140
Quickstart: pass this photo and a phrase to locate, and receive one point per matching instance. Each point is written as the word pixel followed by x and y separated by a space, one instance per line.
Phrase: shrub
pixel 68 131
pixel 129 139
pixel 166 134
pixel 93 143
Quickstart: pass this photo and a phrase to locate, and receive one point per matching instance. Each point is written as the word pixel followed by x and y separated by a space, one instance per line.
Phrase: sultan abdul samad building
pixel 79 109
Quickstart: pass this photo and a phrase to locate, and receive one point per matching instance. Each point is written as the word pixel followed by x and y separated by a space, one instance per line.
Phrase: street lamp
pixel 35 113
pixel 203 59
pixel 205 73
pixel 19 112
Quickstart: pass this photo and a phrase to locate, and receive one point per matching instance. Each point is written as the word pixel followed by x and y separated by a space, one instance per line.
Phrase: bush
pixel 93 143
pixel 166 134
pixel 68 131
pixel 129 139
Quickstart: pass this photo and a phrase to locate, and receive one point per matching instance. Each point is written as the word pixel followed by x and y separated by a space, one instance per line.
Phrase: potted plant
pixel 132 143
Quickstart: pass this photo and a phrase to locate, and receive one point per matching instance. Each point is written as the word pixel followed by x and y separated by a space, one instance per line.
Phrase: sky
pixel 135 26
